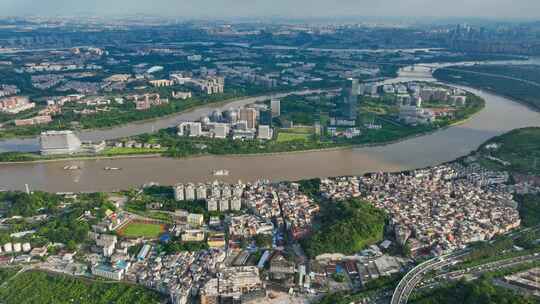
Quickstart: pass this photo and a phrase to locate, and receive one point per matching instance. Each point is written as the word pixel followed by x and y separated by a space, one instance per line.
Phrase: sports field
pixel 294 134
pixel 284 137
pixel 141 229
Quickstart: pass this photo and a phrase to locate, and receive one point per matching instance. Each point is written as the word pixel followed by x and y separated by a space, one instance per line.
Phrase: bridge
pixel 407 284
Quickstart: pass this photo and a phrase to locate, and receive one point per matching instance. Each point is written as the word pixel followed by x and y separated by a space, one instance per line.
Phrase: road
pixel 477 271
pixel 536 84
pixel 412 278
pixel 416 275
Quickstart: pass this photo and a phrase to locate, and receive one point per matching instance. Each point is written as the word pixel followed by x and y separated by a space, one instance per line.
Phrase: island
pixel 360 114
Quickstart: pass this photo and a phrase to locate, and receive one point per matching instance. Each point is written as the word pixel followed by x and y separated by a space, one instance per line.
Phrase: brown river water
pixel 499 116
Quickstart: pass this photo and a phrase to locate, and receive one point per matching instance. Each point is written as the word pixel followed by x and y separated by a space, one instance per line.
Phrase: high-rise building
pixel 189 192
pixel 351 103
pixel 275 104
pixel 265 117
pixel 238 190
pixel 179 192
pixel 215 190
pixel 211 204
pixel 249 115
pixel 201 192
pixel 226 191
pixel 236 204
pixel 224 204
pixel 59 142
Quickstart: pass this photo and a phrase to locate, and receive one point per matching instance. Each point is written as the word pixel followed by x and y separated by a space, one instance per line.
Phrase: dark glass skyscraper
pixel 351 100
pixel 265 117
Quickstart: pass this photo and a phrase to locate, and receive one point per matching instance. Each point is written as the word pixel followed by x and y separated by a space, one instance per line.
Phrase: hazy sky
pixel 296 8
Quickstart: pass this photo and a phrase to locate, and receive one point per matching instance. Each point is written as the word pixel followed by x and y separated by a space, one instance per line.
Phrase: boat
pixel 220 172
pixel 112 169
pixel 71 167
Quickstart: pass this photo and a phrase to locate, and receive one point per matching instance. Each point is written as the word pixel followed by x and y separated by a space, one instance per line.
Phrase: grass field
pixel 299 130
pixel 126 151
pixel 285 137
pixel 140 229
pixel 294 134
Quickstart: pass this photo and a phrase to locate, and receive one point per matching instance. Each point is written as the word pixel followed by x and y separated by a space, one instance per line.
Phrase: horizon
pixel 300 9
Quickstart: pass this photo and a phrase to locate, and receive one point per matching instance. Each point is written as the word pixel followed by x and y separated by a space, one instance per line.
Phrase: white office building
pixel 264 132
pixel 201 192
pixel 59 142
pixel 212 204
pixel 216 190
pixel 189 192
pixel 236 204
pixel 191 129
pixel 226 191
pixel 108 272
pixel 275 105
pixel 224 205
pixel 179 192
pixel 220 130
pixel 238 190
pixel 108 243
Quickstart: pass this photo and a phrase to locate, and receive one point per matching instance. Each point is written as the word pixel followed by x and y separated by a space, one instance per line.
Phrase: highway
pixel 415 276
pixel 477 271
pixel 412 278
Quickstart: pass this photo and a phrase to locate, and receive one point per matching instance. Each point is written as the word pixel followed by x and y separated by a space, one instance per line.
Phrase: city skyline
pixel 498 9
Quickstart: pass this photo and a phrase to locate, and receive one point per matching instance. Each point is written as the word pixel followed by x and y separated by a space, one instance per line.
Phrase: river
pixel 499 116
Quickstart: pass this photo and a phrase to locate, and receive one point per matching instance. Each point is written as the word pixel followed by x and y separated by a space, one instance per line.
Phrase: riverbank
pixel 81 158
pixel 423 151
pixel 503 80
pixel 31 144
pixel 199 104
pixel 150 155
